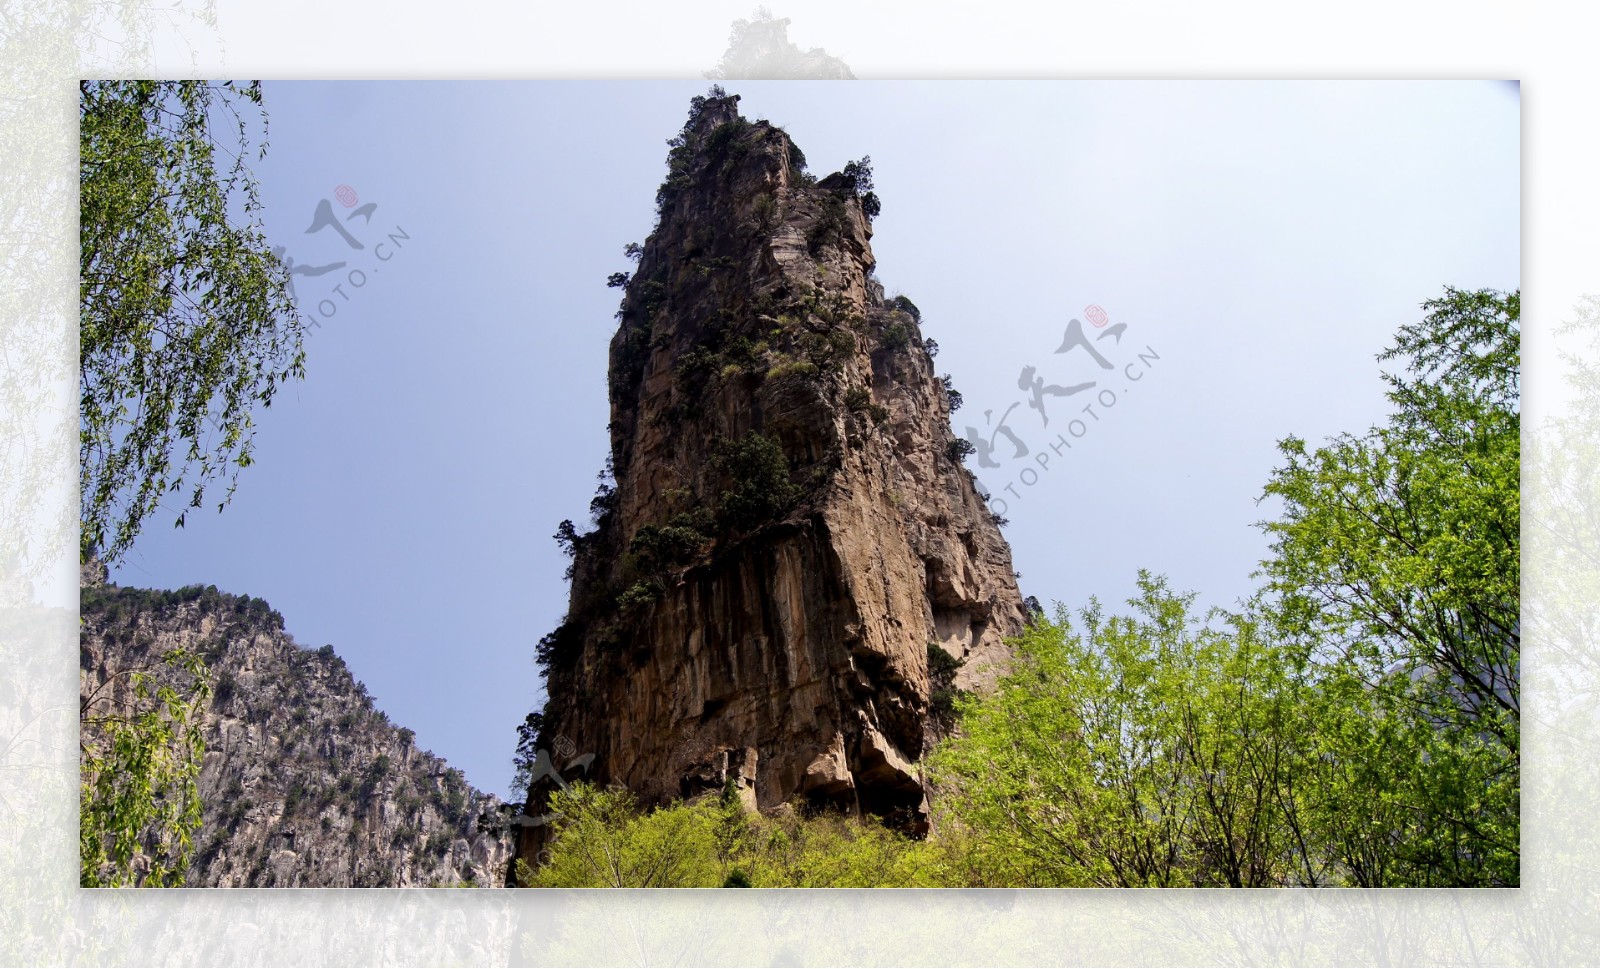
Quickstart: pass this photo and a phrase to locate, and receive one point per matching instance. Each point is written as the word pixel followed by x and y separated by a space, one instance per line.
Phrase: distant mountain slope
pixel 304 783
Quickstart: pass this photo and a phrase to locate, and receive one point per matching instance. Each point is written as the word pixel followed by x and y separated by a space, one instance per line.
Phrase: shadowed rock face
pixel 791 527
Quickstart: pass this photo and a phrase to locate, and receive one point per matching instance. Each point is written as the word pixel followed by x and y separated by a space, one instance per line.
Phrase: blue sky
pixel 1261 242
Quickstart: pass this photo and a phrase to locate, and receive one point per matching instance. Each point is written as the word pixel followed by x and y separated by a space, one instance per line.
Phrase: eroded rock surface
pixel 304 782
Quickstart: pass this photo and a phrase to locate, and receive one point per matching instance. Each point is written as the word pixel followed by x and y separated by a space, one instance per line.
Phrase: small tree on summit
pixel 858 175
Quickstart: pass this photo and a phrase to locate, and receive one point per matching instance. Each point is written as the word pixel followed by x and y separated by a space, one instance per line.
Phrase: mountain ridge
pixel 304 781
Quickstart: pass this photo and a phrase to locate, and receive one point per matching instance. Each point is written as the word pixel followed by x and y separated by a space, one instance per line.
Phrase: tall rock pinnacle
pixel 791 536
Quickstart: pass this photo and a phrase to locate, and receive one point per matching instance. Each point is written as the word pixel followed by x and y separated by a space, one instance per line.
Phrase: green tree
pixel 1401 546
pixel 1354 813
pixel 1396 562
pixel 830 850
pixel 858 180
pixel 759 487
pixel 140 758
pixel 186 322
pixel 602 840
pixel 1152 749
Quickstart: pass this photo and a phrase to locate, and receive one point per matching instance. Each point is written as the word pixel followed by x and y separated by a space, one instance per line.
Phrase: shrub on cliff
pixel 759 488
pixel 858 178
pixel 828 229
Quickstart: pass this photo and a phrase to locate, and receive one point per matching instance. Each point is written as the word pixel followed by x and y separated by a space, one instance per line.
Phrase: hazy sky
pixel 1261 242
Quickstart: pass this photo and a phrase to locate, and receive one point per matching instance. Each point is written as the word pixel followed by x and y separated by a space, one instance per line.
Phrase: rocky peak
pixel 791 532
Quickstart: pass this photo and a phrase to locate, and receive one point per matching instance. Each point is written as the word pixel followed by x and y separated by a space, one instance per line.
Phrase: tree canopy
pixel 186 322
pixel 1396 560
pixel 1154 749
pixel 1400 548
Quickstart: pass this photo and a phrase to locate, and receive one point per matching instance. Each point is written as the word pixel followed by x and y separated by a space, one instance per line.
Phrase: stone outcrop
pixel 303 783
pixel 791 529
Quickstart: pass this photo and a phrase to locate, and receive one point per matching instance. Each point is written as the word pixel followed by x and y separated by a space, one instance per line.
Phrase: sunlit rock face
pixel 304 783
pixel 791 527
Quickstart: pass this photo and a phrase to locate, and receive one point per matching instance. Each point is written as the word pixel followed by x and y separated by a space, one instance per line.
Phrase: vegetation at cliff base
pixel 603 839
pixel 1355 723
pixel 1164 749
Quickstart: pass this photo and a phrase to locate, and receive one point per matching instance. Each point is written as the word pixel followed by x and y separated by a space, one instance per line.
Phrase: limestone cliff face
pixel 304 783
pixel 791 528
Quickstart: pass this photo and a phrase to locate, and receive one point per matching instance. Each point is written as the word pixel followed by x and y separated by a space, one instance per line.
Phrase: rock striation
pixel 791 538
pixel 303 783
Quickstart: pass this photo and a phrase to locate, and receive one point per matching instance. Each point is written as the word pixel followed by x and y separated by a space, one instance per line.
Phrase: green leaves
pixel 1360 725
pixel 603 839
pixel 1162 749
pixel 1396 560
pixel 185 318
pixel 1135 750
pixel 759 488
pixel 1399 550
pixel 185 326
pixel 139 802
pixel 1409 534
